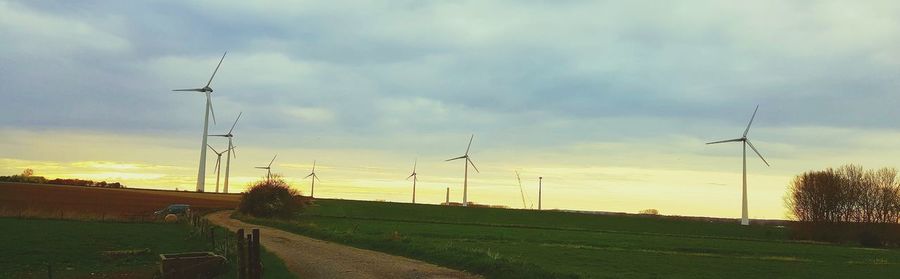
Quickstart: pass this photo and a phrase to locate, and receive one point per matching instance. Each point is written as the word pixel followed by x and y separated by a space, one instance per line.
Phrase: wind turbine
pixel 466 177
pixel 230 147
pixel 219 165
pixel 312 188
pixel 268 169
pixel 745 141
pixel 201 173
pixel 415 178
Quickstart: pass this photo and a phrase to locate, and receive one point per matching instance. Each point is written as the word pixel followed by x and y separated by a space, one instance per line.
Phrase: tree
pixel 651 211
pixel 27 172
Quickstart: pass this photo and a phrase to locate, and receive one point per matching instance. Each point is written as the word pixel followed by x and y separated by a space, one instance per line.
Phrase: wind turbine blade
pixel 751 121
pixel 307 176
pixel 470 143
pixel 314 166
pixel 273 160
pixel 316 177
pixel 211 110
pixel 721 141
pixel 218 160
pixel 193 89
pixel 213 149
pixel 234 152
pixel 235 122
pixel 415 164
pixel 457 158
pixel 217 69
pixel 262 167
pixel 473 164
pixel 757 153
pixel 411 175
pixel 217 135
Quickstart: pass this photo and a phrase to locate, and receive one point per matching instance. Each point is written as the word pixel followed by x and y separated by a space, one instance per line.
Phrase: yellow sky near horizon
pixel 600 176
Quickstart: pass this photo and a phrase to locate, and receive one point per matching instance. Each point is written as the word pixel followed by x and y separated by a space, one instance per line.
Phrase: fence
pixel 243 248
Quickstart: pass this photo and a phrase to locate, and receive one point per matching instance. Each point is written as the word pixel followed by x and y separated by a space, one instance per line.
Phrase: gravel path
pixel 312 258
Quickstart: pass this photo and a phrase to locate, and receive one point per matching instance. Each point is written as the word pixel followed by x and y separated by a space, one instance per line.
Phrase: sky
pixel 610 102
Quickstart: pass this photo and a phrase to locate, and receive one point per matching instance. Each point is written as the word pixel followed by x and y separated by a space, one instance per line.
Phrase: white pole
pixel 414 189
pixel 201 172
pixel 227 166
pixel 218 170
pixel 540 187
pixel 744 220
pixel 466 184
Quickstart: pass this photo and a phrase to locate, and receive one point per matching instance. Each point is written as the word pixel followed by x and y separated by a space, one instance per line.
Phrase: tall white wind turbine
pixel 268 168
pixel 466 177
pixel 201 173
pixel 415 178
pixel 312 188
pixel 230 137
pixel 745 141
pixel 219 163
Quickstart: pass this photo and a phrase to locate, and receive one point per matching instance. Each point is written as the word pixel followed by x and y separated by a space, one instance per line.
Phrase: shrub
pixel 271 198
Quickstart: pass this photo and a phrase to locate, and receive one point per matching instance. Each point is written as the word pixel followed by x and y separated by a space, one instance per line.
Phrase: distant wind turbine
pixel 230 136
pixel 268 169
pixel 415 178
pixel 201 173
pixel 466 177
pixel 219 165
pixel 745 141
pixel 312 188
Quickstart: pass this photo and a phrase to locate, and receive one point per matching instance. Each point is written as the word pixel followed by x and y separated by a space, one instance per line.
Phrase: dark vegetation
pixel 848 204
pixel 272 197
pixel 27 176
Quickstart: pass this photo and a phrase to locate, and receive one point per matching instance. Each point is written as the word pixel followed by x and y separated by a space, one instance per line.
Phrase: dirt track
pixel 313 258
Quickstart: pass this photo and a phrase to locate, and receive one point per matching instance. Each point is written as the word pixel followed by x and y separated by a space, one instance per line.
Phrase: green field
pixel 504 243
pixel 74 249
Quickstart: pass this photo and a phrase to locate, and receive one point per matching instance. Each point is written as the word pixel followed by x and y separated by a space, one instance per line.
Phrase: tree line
pixel 847 203
pixel 27 176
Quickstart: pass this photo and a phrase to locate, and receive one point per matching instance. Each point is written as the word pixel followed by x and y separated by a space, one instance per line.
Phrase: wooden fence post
pixel 241 255
pixel 257 267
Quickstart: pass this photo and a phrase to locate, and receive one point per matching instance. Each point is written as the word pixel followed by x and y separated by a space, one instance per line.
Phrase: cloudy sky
pixel 611 102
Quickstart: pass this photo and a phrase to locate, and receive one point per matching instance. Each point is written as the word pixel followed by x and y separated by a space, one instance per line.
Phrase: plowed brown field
pixel 74 201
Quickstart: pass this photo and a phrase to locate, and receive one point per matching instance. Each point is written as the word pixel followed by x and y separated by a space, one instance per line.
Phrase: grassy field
pixel 503 243
pixel 74 249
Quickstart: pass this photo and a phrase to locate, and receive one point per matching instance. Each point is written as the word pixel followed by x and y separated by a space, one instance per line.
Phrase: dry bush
pixel 272 198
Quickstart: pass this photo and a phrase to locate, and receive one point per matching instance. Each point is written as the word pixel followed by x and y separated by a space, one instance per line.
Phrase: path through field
pixel 313 258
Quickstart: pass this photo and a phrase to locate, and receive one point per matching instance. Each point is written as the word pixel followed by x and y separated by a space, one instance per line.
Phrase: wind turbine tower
pixel 230 137
pixel 466 177
pixel 540 187
pixel 268 168
pixel 745 142
pixel 201 173
pixel 415 178
pixel 312 188
pixel 218 163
